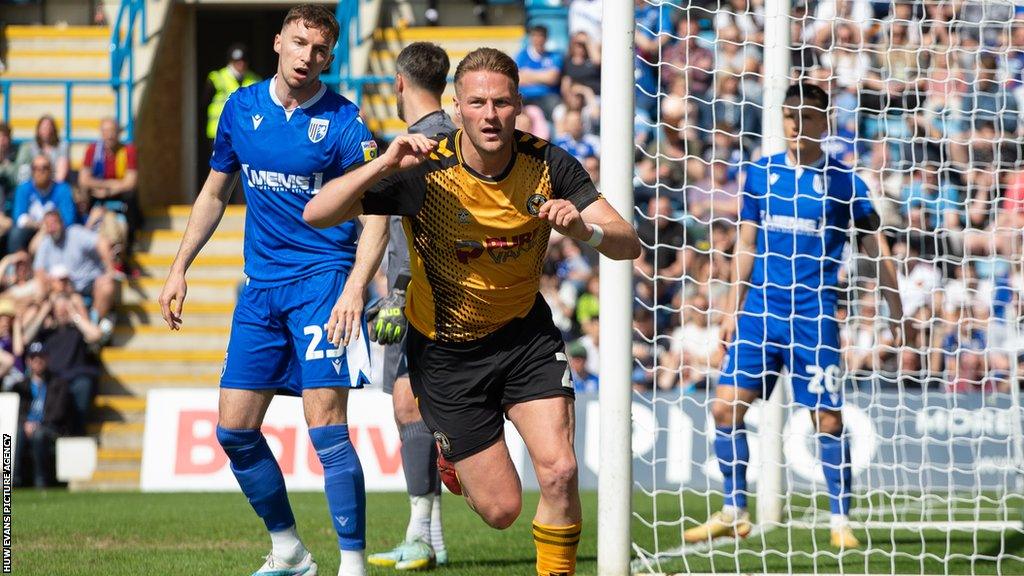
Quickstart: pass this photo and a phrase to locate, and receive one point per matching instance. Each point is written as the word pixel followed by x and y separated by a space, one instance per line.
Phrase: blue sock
pixel 733 455
pixel 343 482
pixel 835 459
pixel 259 476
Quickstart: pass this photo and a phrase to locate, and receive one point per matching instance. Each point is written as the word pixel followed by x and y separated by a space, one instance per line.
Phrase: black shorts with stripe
pixel 464 388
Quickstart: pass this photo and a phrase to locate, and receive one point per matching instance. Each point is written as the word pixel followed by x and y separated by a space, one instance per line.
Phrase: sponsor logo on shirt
pixel 280 182
pixel 501 249
pixel 792 224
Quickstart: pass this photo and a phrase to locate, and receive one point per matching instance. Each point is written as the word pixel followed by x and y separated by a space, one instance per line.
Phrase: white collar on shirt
pixel 288 113
pixel 799 169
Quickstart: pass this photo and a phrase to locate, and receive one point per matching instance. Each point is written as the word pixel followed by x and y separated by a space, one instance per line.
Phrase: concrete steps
pixel 145 354
pixel 58 52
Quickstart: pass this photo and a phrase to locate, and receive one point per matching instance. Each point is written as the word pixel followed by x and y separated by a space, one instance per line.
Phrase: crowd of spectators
pixel 64 241
pixel 926 103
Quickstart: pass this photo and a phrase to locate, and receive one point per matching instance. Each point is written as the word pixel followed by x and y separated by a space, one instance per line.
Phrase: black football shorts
pixel 464 388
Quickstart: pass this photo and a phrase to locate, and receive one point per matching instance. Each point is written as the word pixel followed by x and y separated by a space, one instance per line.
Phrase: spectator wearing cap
pixel 540 72
pixel 48 416
pixel 70 338
pixel 582 379
pixel 222 82
pixel 34 198
pixel 85 254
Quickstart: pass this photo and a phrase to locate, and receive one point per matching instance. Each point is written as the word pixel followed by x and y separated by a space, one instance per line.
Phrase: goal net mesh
pixel 925 106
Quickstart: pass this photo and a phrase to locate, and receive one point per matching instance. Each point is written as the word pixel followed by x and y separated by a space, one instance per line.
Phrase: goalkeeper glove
pixel 387 320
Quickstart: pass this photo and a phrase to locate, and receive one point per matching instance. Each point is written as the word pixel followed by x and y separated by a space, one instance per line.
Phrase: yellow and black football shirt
pixel 476 243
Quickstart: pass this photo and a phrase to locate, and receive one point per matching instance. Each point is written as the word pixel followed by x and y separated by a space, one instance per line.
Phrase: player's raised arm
pixel 598 225
pixel 206 214
pixel 339 199
pixel 577 210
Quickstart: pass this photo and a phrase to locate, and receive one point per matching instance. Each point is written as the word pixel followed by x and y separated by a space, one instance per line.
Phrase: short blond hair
pixel 488 60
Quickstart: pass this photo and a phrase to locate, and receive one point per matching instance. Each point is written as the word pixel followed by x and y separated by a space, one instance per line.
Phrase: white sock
pixel 838 521
pixel 287 546
pixel 733 512
pixel 352 563
pixel 436 528
pixel 419 518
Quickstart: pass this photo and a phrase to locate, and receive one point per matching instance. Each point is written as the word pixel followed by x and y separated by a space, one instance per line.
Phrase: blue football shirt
pixel 284 158
pixel 805 216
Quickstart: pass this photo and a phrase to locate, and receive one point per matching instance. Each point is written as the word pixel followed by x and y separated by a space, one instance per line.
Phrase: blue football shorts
pixel 807 347
pixel 279 339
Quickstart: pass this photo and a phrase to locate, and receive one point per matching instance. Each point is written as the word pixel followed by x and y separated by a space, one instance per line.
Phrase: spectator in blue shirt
pixel 34 198
pixel 582 380
pixel 540 72
pixel 575 141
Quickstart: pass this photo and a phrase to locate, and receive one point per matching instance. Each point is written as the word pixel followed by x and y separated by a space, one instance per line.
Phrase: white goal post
pixel 928 109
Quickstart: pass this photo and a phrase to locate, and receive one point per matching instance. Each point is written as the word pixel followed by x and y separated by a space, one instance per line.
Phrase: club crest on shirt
pixel 534 202
pixel 317 129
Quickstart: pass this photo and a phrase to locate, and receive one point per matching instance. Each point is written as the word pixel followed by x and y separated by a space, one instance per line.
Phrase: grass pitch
pixel 114 534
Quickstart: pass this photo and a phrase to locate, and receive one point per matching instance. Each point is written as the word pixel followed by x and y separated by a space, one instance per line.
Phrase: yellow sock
pixel 556 548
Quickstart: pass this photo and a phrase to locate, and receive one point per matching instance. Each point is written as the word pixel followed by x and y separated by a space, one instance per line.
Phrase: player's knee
pixel 501 513
pixel 557 476
pixel 727 414
pixel 830 422
pixel 406 412
pixel 235 441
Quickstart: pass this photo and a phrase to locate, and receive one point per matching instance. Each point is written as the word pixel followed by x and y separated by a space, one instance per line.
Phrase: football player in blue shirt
pixel 287 136
pixel 800 208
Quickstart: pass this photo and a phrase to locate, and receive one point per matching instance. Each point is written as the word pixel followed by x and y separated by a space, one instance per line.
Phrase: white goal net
pixel 925 102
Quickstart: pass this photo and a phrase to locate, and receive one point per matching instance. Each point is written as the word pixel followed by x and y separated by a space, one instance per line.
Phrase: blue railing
pixel 122 54
pixel 7 85
pixel 122 38
pixel 350 34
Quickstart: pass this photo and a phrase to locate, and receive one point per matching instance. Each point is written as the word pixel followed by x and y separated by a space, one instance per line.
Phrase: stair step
pixel 58 38
pixel 115 428
pixel 121 403
pixel 167 242
pixel 142 382
pixel 212 291
pixel 175 218
pixel 448 33
pixel 129 455
pixel 196 314
pixel 58 63
pixel 17 32
pixel 110 480
pixel 206 266
pixel 162 338
pixel 186 365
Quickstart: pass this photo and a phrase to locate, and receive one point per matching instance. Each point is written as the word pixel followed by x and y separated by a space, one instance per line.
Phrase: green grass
pixel 113 534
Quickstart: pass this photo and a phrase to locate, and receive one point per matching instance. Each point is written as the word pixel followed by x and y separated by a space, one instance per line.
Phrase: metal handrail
pixel 122 52
pixel 7 84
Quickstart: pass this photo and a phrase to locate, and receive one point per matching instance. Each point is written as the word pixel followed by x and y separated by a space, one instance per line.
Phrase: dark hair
pixel 425 65
pixel 315 16
pixel 538 28
pixel 491 60
pixel 5 129
pixel 55 138
pixel 809 95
